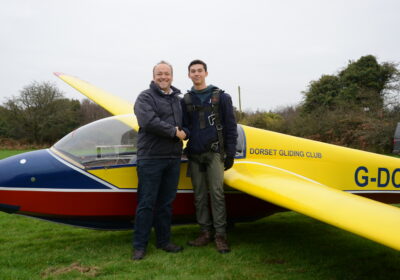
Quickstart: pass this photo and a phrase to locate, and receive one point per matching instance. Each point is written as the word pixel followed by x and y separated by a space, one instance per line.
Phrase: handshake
pixel 180 133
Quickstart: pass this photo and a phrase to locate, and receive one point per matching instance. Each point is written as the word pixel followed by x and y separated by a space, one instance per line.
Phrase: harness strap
pixel 217 120
pixel 188 102
pixel 213 119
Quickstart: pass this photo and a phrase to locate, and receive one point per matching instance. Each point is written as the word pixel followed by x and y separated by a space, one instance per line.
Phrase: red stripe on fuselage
pixel 118 204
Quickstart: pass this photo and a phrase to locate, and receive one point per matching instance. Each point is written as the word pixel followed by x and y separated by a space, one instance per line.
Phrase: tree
pixel 322 93
pixel 90 112
pixel 357 107
pixel 262 119
pixel 363 84
pixel 4 128
pixel 41 114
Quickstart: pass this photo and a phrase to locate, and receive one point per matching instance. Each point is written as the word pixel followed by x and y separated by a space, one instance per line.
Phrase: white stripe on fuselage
pixel 78 190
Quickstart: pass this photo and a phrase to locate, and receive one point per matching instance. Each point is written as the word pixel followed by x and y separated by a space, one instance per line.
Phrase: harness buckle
pixel 214 147
pixel 211 119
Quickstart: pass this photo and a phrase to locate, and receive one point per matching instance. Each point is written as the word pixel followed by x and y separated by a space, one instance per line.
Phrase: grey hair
pixel 166 63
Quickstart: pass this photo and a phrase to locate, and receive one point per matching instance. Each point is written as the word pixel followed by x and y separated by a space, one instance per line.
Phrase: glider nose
pixel 41 170
pixel 21 171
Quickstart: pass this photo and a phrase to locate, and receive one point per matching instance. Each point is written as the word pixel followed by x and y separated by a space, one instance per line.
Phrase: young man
pixel 208 115
pixel 159 115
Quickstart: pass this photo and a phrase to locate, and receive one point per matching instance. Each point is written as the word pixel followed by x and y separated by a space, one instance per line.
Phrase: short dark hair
pixel 197 61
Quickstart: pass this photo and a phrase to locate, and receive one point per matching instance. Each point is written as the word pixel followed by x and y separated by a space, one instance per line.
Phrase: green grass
pixel 8 153
pixel 283 246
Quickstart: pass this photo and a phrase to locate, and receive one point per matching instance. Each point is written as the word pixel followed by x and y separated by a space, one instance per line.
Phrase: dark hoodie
pixel 158 114
pixel 201 139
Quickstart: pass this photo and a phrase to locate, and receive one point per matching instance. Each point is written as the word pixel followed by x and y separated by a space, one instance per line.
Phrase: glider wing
pixel 112 103
pixel 368 218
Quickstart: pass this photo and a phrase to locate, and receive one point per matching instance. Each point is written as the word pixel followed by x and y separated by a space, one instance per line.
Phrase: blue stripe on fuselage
pixel 39 169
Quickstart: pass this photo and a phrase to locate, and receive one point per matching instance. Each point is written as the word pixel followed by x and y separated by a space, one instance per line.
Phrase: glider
pixel 88 178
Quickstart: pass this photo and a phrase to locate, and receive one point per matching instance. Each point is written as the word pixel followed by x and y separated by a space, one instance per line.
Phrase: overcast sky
pixel 272 49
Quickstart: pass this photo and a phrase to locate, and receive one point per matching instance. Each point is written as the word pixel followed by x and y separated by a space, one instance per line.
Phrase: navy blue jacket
pixel 158 114
pixel 200 139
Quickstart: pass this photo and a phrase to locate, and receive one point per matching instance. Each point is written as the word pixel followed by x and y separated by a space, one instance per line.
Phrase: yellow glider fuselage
pixel 334 166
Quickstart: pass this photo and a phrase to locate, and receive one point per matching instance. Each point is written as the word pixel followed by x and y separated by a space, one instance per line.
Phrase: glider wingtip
pixel 58 74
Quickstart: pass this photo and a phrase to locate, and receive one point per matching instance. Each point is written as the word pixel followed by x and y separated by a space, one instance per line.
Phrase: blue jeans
pixel 157 185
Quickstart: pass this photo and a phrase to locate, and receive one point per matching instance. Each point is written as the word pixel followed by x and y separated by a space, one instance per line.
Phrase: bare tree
pixel 90 112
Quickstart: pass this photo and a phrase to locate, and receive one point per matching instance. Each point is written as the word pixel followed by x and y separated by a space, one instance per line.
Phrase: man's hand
pixel 228 162
pixel 180 133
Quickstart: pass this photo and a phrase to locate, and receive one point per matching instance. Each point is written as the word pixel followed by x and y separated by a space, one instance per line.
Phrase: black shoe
pixel 138 255
pixel 172 248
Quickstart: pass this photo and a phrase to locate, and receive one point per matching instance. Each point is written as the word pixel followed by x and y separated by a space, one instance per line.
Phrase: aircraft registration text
pixel 384 177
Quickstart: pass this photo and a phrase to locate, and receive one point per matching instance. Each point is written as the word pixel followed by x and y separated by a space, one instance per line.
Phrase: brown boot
pixel 221 243
pixel 203 239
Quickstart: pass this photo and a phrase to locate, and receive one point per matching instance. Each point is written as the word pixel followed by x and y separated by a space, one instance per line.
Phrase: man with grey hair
pixel 159 150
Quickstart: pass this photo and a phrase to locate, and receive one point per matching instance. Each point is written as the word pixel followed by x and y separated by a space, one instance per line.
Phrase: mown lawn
pixel 283 246
pixel 8 153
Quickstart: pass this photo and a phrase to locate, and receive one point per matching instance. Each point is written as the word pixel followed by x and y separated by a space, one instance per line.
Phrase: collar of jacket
pixel 157 89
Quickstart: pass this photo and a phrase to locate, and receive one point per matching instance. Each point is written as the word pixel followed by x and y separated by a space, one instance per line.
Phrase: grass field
pixel 283 246
pixel 8 153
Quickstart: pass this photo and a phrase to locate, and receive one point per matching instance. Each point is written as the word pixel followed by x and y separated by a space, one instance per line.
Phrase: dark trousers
pixel 157 185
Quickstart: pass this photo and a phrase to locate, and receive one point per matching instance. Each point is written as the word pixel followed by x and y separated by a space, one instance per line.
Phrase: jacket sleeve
pixel 229 125
pixel 149 120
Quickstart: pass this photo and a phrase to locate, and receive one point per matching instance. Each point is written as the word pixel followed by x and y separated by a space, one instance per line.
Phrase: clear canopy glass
pixel 109 141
